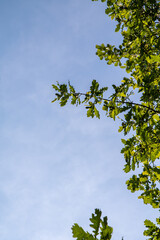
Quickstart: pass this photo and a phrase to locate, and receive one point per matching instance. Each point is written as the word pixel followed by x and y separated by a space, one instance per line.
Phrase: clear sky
pixel 57 165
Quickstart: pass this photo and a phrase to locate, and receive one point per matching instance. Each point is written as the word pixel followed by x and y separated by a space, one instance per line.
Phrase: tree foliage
pixel 100 227
pixel 136 100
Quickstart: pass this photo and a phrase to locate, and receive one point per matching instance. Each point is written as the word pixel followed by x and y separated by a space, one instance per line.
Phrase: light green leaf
pixel 156 117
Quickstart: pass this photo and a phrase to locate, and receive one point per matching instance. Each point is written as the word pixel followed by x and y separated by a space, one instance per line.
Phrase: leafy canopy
pixel 139 54
pixel 100 228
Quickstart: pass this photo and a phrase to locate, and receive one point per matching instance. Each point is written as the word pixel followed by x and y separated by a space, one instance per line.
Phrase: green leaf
pixel 74 100
pixel 95 221
pixel 108 10
pixel 106 231
pixel 123 141
pixel 127 168
pixel 55 87
pixel 113 115
pixel 80 234
pixel 156 117
pixel 120 129
pixel 54 100
pixel 153 59
pixel 89 112
pixel 118 27
pixel 78 231
pixel 148 223
pixel 96 112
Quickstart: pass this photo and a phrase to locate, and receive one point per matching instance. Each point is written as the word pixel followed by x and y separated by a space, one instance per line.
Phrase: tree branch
pixel 118 101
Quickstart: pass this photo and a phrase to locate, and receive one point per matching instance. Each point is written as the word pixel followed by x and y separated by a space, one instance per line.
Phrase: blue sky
pixel 57 165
